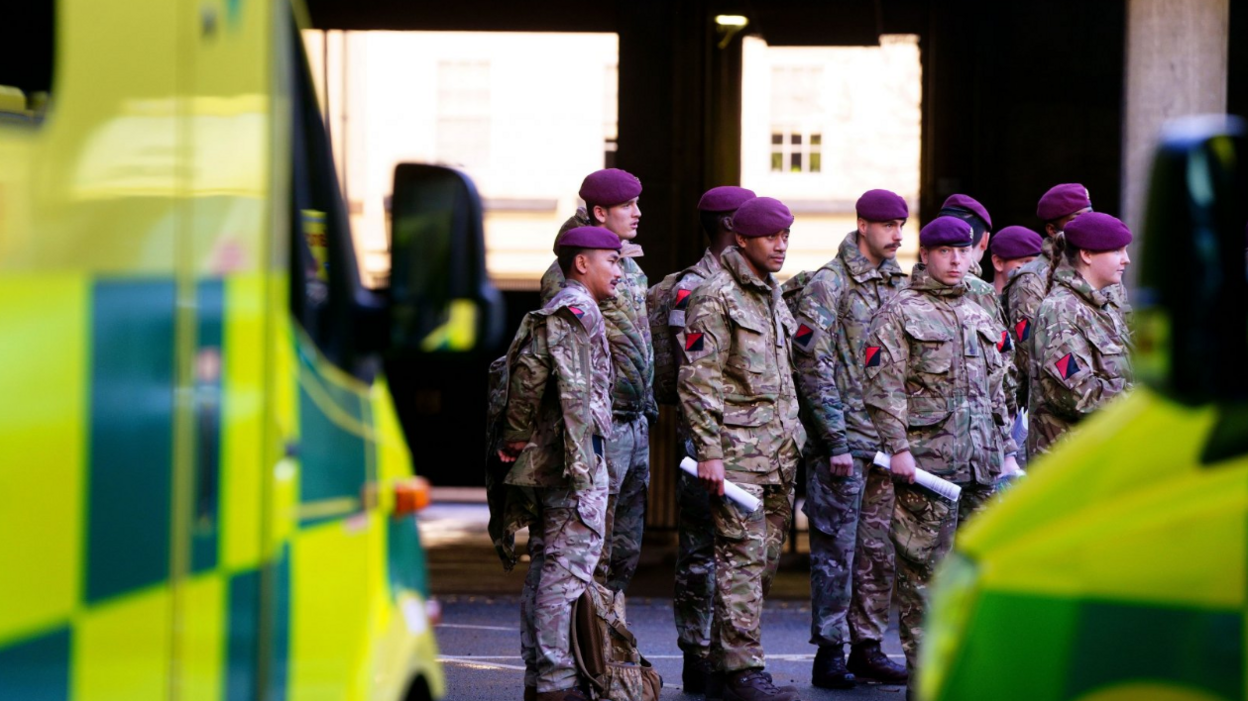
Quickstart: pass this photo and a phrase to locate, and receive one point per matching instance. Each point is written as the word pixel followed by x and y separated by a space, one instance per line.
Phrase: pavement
pixel 479 635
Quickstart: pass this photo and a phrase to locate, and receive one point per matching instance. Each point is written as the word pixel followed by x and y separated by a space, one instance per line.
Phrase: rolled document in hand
pixel 744 499
pixel 923 478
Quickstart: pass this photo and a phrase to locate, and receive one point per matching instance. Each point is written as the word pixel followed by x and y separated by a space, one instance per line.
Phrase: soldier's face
pixel 1060 225
pixel 599 271
pixel 881 238
pixel 765 253
pixel 622 219
pixel 946 263
pixel 1104 268
pixel 1007 267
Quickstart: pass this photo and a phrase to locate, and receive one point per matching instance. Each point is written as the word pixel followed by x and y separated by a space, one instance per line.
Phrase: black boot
pixel 693 675
pixel 828 671
pixel 715 686
pixel 753 685
pixel 868 661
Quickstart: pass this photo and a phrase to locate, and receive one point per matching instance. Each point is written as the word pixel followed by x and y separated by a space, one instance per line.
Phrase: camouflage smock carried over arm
pixel 628 330
pixel 736 386
pixel 667 303
pixel 933 381
pixel 833 309
pixel 1080 357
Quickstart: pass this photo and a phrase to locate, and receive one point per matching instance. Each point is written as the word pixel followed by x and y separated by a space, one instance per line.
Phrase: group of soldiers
pixel 858 370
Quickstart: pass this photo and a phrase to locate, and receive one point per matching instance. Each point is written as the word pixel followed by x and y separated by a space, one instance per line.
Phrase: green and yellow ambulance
pixel 1118 569
pixel 205 489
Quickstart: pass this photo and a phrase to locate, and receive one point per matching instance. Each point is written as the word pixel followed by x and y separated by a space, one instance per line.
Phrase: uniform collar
pixel 1068 276
pixel 922 281
pixel 860 267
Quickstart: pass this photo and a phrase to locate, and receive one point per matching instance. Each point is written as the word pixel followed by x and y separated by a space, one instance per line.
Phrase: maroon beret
pixel 1015 242
pixel 610 187
pixel 724 198
pixel 590 237
pixel 761 216
pixel 968 203
pixel 881 205
pixel 1095 231
pixel 1061 200
pixel 946 231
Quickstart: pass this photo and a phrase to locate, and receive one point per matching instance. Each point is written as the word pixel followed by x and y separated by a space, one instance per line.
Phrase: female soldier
pixel 1079 358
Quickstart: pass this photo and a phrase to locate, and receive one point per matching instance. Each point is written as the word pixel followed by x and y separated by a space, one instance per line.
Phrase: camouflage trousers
pixel 747 554
pixel 564 546
pixel 693 602
pixel 874 560
pixel 832 506
pixel 628 468
pixel 923 529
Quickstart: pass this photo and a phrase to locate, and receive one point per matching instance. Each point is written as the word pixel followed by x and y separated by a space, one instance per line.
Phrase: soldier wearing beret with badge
pixel 556 423
pixel 1080 354
pixel 667 303
pixel 933 390
pixel 740 405
pixel 848 503
pixel 611 204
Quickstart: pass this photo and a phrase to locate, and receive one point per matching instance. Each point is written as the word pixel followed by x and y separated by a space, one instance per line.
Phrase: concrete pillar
pixel 1176 65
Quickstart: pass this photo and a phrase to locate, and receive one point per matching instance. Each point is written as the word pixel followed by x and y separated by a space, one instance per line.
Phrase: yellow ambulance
pixel 205 488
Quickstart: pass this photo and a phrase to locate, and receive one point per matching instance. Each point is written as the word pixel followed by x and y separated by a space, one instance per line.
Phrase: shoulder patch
pixel 682 299
pixel 1004 344
pixel 1067 367
pixel 693 342
pixel 873 356
pixel 577 311
pixel 1023 329
pixel 804 335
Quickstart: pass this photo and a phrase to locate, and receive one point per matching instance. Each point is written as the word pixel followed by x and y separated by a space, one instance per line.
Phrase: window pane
pixel 777 162
pixel 795 163
pixel 777 138
pixel 816 139
pixel 796 139
pixel 816 162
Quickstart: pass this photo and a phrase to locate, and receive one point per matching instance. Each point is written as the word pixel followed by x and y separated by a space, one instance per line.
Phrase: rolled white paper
pixel 744 499
pixel 923 478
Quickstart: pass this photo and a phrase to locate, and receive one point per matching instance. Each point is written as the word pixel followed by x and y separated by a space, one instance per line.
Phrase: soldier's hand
pixel 1009 467
pixel 711 473
pixel 510 451
pixel 902 466
pixel 841 465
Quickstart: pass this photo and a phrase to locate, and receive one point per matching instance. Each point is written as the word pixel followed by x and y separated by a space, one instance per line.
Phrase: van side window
pixel 324 276
pixel 27 51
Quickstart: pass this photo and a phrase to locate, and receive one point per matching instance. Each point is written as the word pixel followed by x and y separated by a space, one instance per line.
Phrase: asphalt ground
pixel 479 635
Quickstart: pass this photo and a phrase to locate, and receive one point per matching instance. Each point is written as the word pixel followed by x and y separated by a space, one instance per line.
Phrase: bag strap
pixel 578 607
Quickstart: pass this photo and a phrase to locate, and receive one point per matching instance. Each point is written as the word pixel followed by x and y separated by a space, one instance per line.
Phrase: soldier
pixel 1012 248
pixel 933 390
pixel 848 524
pixel 558 415
pixel 693 602
pixel 611 202
pixel 1026 289
pixel 1080 354
pixel 740 405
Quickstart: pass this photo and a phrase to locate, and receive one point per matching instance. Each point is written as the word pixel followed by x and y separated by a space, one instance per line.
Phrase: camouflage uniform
pixel 1080 357
pixel 933 387
pixel 985 295
pixel 633 406
pixel 558 400
pixel 694 599
pixel 740 405
pixel 833 310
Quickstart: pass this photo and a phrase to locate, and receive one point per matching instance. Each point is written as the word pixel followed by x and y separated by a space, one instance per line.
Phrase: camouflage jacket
pixel 736 385
pixel 667 303
pixel 933 381
pixel 1080 357
pixel 1021 298
pixel 985 295
pixel 552 389
pixel 834 308
pixel 628 330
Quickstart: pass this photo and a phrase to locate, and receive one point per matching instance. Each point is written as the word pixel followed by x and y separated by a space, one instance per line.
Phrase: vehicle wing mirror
pixel 441 296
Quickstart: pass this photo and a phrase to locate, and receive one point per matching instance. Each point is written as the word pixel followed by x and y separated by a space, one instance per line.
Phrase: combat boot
pixel 715 686
pixel 530 693
pixel 868 661
pixel 572 694
pixel 693 675
pixel 828 671
pixel 754 685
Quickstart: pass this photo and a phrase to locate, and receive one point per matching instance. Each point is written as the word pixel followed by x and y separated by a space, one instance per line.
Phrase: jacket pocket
pixel 926 411
pixel 749 416
pixel 931 350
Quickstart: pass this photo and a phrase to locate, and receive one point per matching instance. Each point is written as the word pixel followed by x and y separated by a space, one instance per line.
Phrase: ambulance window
pixel 323 272
pixel 27 50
